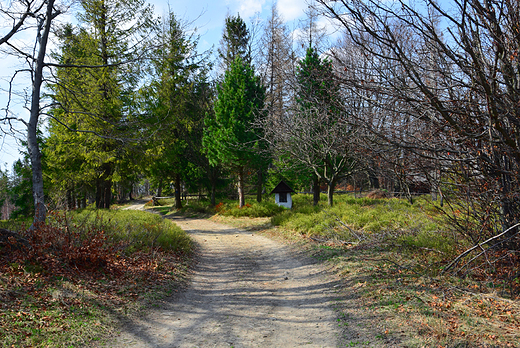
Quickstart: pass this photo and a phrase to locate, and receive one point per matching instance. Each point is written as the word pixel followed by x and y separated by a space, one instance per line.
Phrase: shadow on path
pixel 246 291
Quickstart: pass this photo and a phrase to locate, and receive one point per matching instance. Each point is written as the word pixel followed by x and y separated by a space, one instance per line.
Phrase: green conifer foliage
pixel 230 137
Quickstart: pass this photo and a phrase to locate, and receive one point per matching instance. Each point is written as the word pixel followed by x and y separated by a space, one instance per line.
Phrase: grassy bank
pixel 390 256
pixel 84 272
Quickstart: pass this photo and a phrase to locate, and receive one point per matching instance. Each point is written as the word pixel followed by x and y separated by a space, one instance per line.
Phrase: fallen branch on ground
pixel 8 237
pixel 332 241
pixel 350 229
pixel 457 259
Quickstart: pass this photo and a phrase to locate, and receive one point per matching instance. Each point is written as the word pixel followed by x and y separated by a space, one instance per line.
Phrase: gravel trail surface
pixel 246 291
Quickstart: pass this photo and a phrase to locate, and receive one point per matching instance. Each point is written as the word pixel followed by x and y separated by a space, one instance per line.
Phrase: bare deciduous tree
pixel 43 12
pixel 447 85
pixel 315 131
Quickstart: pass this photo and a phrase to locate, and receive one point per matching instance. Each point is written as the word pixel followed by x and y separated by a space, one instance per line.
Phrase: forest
pixel 412 100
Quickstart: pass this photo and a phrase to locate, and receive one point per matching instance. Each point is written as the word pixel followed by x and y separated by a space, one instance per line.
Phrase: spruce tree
pixel 95 90
pixel 235 42
pixel 229 137
pixel 177 97
pixel 322 137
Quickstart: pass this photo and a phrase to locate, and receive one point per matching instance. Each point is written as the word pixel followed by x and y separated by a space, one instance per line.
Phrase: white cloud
pixel 330 26
pixel 291 9
pixel 248 8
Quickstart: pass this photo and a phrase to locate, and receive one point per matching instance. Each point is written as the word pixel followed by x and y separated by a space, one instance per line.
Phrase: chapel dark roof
pixel 281 188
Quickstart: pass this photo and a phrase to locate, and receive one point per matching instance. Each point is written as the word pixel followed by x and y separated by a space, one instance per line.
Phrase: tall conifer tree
pixel 96 86
pixel 230 138
pixel 235 42
pixel 177 98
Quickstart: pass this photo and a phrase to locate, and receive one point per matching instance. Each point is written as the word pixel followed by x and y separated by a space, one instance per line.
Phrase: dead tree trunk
pixel 40 210
pixel 241 197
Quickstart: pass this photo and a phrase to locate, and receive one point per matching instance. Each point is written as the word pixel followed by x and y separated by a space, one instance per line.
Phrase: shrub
pixel 91 239
pixel 378 194
pixel 199 207
pixel 139 230
pixel 365 214
pixel 55 245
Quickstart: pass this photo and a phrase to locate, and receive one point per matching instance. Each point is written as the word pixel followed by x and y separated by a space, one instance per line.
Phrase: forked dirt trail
pixel 247 291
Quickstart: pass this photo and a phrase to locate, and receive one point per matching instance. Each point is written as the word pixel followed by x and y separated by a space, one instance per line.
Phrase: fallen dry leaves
pixel 64 277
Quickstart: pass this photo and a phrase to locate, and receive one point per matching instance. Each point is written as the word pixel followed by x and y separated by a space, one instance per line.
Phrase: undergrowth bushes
pixel 138 230
pixel 198 207
pixel 75 271
pixel 363 214
pixel 93 239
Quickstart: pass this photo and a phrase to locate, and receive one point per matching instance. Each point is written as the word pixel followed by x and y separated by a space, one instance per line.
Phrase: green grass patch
pixel 197 207
pixel 139 230
pixel 190 207
pixel 368 216
pixel 165 202
pixel 16 224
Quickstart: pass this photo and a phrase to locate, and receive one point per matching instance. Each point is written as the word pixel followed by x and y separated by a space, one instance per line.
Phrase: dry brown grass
pixel 378 194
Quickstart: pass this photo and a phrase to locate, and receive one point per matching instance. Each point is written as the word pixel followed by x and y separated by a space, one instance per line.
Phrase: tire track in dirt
pixel 246 291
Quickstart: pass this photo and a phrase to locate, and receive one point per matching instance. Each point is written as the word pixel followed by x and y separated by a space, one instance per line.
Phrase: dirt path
pixel 137 204
pixel 247 291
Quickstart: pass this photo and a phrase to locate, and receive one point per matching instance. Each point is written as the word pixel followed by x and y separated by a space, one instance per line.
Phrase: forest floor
pixel 250 291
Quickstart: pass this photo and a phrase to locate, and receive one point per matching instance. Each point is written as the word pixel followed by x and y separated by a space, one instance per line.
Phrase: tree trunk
pixel 103 193
pixel 75 198
pixel 213 177
pixel 330 192
pixel 98 193
pixel 104 188
pixel 107 193
pixel 83 199
pixel 70 204
pixel 373 179
pixel 40 211
pixel 507 205
pixel 160 188
pixel 241 198
pixel 213 191
pixel 408 193
pixel 259 186
pixel 178 202
pixel 315 191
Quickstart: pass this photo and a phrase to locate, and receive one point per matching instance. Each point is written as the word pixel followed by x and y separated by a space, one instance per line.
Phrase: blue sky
pixel 207 16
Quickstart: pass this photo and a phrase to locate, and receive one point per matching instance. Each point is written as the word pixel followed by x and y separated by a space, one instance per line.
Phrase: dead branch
pixel 350 229
pixel 424 248
pixel 395 263
pixel 343 242
pixel 6 237
pixel 457 259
